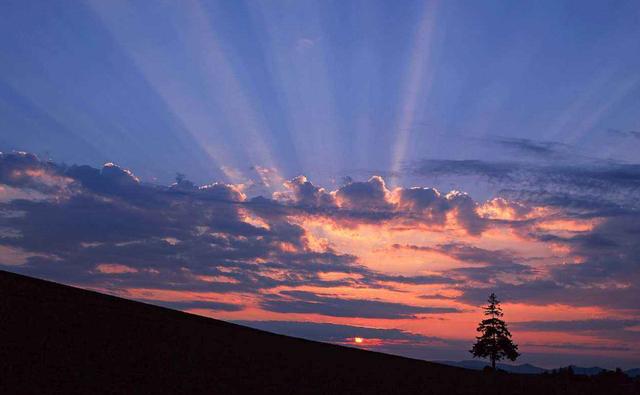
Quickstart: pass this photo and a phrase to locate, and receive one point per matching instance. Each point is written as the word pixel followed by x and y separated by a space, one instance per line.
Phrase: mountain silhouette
pixel 532 369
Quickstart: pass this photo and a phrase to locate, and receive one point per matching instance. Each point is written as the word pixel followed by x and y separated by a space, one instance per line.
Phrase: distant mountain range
pixel 633 372
pixel 531 369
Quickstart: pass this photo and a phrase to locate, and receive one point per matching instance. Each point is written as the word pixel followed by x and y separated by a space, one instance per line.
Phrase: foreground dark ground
pixel 59 339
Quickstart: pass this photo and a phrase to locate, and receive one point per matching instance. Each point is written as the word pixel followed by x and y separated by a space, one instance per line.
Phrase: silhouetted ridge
pixel 60 339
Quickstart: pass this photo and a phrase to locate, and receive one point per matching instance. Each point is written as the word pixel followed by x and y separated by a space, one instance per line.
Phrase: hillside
pixel 59 339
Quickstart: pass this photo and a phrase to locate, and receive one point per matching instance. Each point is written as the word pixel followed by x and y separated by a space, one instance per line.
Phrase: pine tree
pixel 495 339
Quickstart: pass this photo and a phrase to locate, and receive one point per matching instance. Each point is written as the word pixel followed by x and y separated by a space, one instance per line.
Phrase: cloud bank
pixel 363 251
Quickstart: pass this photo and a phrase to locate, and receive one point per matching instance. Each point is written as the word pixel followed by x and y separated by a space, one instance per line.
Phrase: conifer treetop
pixel 494 341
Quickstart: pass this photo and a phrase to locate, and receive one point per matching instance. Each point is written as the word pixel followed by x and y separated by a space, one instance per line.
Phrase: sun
pixel 358 340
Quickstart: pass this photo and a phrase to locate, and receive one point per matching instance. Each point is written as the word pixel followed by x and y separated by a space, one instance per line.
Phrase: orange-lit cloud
pixel 114 268
pixel 409 266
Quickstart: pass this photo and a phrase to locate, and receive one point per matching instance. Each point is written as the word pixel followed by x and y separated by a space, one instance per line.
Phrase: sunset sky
pixel 357 172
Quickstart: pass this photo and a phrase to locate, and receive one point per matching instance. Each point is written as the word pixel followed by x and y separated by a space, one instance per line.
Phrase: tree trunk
pixel 493 364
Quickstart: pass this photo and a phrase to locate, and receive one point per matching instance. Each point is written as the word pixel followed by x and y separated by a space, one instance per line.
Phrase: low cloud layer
pixel 591 187
pixel 311 303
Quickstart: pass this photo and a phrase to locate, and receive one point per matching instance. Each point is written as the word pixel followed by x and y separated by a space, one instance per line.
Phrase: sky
pixel 335 169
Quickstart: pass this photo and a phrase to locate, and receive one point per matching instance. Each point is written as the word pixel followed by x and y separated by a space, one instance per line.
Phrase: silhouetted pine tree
pixel 495 339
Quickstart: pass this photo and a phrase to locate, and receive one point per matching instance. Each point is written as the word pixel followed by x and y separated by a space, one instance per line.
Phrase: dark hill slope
pixel 59 339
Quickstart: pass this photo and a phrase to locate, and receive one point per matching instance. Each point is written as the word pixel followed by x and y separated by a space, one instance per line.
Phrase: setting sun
pixel 358 340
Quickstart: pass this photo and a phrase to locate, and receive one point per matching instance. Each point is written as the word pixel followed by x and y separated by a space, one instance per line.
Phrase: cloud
pixel 437 296
pixel 26 171
pixel 415 280
pixel 432 207
pixel 108 215
pixel 303 44
pixel 577 346
pixel 602 185
pixel 624 133
pixel 493 274
pixel 576 325
pixel 495 263
pixel 467 253
pixel 200 305
pixel 114 268
pixel 311 303
pixel 11 256
pixel 108 229
pixel 500 171
pixel 372 202
pixel 616 329
pixel 549 291
pixel 218 248
pixel 370 195
pixel 543 149
pixel 92 216
pixel 577 190
pixel 304 193
pixel 607 274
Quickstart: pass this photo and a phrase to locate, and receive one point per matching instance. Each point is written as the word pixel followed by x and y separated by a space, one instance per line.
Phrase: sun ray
pixel 195 111
pixel 417 83
pixel 296 59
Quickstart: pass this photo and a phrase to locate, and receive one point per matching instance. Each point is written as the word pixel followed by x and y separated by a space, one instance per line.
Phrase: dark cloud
pixel 500 171
pixel 609 272
pixel 576 346
pixel 624 133
pixel 198 304
pixel 60 226
pixel 215 239
pixel 172 236
pixel 622 331
pixel 311 303
pixel 27 171
pixel 369 195
pixel 492 274
pixel 427 202
pixel 550 291
pixel 437 296
pixel 468 253
pixel 576 325
pixel 415 280
pixel 308 195
pixel 496 263
pixel 180 237
pixel 601 184
pixel 372 202
pixel 531 147
pixel 110 179
pixel 594 176
pixel 465 209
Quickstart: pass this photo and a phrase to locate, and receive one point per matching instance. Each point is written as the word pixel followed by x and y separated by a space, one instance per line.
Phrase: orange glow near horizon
pixel 405 249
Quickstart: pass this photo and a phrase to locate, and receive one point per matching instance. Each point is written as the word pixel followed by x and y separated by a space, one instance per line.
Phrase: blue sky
pixel 366 169
pixel 325 89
